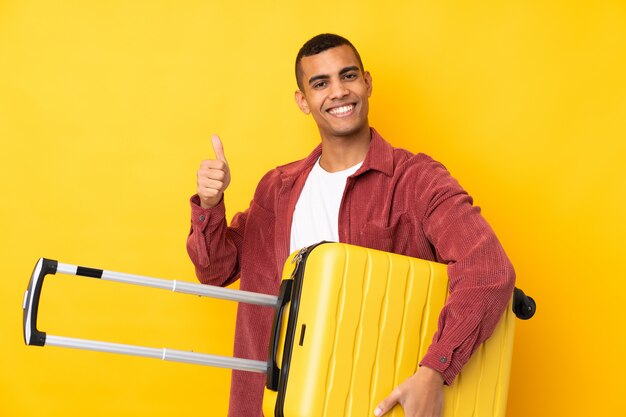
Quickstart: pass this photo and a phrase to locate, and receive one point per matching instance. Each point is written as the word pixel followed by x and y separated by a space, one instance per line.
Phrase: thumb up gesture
pixel 213 176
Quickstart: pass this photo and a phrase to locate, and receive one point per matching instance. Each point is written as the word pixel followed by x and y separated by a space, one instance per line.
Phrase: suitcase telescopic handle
pixel 32 336
pixel 273 371
pixel 44 267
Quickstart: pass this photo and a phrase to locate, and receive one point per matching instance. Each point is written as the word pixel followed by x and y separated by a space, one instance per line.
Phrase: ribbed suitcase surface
pixel 364 319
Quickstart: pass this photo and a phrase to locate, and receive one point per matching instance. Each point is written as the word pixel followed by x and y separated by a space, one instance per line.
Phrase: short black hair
pixel 319 44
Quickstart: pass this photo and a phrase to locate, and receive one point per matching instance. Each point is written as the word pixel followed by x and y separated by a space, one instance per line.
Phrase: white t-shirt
pixel 316 216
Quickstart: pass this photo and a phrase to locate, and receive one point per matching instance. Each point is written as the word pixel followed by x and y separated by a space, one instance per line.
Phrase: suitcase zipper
pixel 298 260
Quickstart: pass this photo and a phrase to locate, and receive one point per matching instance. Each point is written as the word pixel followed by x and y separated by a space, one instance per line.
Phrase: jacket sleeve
pixel 213 247
pixel 481 277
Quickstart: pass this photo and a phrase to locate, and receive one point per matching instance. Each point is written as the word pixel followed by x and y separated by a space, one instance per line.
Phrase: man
pixel 354 188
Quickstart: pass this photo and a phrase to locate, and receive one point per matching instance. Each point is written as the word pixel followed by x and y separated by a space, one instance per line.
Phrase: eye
pixel 351 76
pixel 319 85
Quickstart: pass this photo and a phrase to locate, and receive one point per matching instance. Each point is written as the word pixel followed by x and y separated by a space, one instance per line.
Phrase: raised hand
pixel 213 176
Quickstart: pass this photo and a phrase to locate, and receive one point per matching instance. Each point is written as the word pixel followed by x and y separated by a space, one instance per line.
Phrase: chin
pixel 349 130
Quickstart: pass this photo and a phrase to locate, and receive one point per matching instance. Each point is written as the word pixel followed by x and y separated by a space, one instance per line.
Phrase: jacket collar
pixel 379 157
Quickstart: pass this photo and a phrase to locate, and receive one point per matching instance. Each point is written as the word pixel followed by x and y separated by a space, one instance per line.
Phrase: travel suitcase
pixel 352 323
pixel 303 327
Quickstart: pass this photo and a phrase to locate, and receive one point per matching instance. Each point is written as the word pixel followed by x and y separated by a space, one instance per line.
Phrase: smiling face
pixel 335 91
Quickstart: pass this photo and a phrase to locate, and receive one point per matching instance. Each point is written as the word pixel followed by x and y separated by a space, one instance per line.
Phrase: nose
pixel 338 90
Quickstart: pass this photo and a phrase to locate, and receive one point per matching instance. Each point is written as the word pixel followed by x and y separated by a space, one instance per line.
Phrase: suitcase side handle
pixel 32 336
pixel 273 371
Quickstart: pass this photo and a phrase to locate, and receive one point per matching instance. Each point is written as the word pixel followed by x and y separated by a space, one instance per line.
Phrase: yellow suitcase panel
pixel 362 319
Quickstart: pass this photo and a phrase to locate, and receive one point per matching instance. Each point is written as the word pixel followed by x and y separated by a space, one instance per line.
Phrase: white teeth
pixel 341 110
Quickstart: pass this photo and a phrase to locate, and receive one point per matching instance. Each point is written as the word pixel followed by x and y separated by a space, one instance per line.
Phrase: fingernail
pixel 377 411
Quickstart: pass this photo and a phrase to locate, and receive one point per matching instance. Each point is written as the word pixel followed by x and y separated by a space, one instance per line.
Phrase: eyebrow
pixel 326 76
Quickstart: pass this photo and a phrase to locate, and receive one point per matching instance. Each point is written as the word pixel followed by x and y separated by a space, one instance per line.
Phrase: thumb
pixel 218 148
pixel 387 404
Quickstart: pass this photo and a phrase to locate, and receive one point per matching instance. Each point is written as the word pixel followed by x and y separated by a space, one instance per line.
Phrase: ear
pixel 368 81
pixel 301 102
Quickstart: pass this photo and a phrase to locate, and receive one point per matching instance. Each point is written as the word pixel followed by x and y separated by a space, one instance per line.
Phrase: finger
pixel 209 184
pixel 387 404
pixel 213 164
pixel 218 148
pixel 213 174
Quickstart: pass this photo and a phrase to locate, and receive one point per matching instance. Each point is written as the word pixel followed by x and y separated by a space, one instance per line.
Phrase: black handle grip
pixel 273 371
pixel 524 306
pixel 32 336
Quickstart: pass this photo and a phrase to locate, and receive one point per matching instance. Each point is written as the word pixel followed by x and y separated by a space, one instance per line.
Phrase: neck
pixel 342 152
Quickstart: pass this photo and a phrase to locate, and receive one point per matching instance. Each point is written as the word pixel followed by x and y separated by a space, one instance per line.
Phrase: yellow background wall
pixel 106 109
